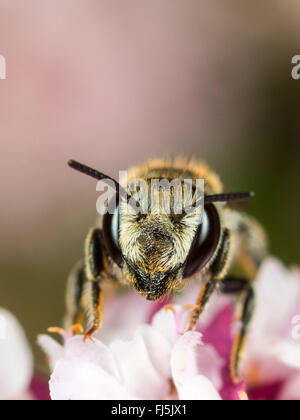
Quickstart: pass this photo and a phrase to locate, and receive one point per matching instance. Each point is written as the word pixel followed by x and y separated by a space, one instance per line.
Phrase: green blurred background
pixel 113 83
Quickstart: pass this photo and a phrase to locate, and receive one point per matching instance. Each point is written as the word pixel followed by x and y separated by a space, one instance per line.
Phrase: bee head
pixel 157 251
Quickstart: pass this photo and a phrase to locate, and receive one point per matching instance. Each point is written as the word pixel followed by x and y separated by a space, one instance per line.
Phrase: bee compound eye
pixel 205 242
pixel 111 236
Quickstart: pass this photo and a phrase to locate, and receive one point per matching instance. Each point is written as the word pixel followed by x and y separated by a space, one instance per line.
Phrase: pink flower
pixel 273 350
pixel 158 362
pixel 143 351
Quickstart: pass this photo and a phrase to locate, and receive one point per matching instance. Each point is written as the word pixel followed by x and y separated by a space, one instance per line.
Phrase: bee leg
pixel 234 284
pixel 247 305
pixel 241 285
pixel 94 270
pixel 75 286
pixel 94 308
pixel 253 250
pixel 217 273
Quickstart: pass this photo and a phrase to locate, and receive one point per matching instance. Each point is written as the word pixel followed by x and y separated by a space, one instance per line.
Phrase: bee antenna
pixel 89 171
pixel 228 197
pixel 80 167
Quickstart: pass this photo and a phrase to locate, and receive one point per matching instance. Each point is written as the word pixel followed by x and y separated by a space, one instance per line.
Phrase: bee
pixel 156 253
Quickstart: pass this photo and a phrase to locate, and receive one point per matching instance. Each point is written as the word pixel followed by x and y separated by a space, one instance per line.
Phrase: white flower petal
pixel 277 297
pixel 158 348
pixel 264 368
pixel 86 371
pixel 198 388
pixel 122 314
pixel 184 360
pixel 94 352
pixel 190 358
pixel 80 379
pixel 51 347
pixel 164 322
pixel 16 363
pixel 270 355
pixel 288 352
pixel 139 376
